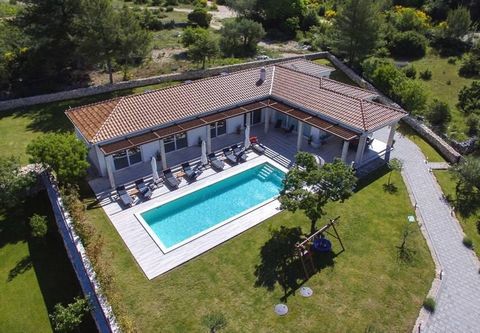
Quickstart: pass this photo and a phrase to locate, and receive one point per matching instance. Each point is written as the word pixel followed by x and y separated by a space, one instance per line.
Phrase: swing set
pixel 317 242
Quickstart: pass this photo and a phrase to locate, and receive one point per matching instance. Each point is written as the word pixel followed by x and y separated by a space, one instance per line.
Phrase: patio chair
pixel 143 188
pixel 191 174
pixel 170 178
pixel 230 156
pixel 215 162
pixel 124 196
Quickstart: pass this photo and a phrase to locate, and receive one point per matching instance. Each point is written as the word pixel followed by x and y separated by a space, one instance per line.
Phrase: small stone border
pixel 102 312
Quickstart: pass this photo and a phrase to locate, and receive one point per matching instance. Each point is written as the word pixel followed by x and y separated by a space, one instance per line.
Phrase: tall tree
pixel 240 37
pixel 309 188
pixel 203 48
pixel 133 41
pixel 99 32
pixel 356 30
pixel 49 24
pixel 458 23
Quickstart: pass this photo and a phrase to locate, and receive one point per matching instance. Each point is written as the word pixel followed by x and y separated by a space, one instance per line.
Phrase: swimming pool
pixel 194 214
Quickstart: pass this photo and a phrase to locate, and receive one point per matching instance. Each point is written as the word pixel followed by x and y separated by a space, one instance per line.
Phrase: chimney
pixel 263 74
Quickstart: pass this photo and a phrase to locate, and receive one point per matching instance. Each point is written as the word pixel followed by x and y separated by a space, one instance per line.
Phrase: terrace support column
pixel 209 139
pixel 390 141
pixel 162 154
pixel 345 151
pixel 299 135
pixel 248 119
pixel 267 120
pixel 360 149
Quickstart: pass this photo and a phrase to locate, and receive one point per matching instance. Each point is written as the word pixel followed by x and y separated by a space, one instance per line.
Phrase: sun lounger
pixel 230 156
pixel 124 196
pixel 215 162
pixel 239 152
pixel 191 174
pixel 144 189
pixel 259 148
pixel 170 178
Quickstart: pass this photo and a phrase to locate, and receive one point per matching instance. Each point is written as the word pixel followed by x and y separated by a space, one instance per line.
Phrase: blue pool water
pixel 189 215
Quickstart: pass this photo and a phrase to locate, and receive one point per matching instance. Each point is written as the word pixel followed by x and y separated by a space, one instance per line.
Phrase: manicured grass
pixel 448 183
pixel 20 126
pixel 430 153
pixel 445 86
pixel 337 75
pixel 34 275
pixel 364 288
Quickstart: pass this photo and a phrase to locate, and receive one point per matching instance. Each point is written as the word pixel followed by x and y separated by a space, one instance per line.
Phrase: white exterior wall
pixel 149 150
pixel 233 123
pixel 102 166
pixel 194 134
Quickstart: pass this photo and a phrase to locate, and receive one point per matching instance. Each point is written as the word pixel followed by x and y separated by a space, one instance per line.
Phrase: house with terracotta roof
pixel 294 102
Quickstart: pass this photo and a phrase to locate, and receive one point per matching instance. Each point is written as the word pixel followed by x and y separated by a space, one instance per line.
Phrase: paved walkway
pixel 458 299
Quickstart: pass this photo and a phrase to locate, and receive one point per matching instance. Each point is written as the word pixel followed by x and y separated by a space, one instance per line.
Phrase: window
pixel 169 143
pixel 126 158
pixel 120 160
pixel 134 155
pixel 175 142
pixel 217 129
pixel 181 140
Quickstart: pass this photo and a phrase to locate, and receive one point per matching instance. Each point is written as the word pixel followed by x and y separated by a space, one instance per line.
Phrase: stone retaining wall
pixel 102 312
pixel 190 75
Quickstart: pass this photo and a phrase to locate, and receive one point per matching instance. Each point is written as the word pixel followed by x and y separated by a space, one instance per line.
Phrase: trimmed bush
pixel 473 125
pixel 200 17
pixel 470 65
pixel 409 44
pixel 429 304
pixel 426 75
pixel 38 226
pixel 169 9
pixel 467 242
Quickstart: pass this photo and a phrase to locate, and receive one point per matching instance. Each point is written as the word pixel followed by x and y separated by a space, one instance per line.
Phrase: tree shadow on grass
pixel 390 188
pixel 21 267
pixel 280 263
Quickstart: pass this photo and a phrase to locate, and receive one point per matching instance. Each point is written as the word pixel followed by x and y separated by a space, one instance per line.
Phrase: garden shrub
pixel 470 65
pixel 410 72
pixel 38 226
pixel 467 242
pixel 469 98
pixel 171 3
pixel 452 60
pixel 409 44
pixel 473 125
pixel 478 226
pixel 429 304
pixel 157 2
pixel 200 17
pixel 169 9
pixel 438 113
pixel 426 74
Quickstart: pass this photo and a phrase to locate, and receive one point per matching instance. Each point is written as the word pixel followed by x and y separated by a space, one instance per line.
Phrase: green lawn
pixel 430 153
pixel 20 126
pixel 444 85
pixel 34 276
pixel 364 288
pixel 448 183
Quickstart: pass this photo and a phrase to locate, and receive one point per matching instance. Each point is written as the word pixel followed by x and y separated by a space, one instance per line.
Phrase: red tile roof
pixel 297 85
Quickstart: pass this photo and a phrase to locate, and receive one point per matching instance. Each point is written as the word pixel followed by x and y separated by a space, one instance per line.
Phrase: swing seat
pixel 322 245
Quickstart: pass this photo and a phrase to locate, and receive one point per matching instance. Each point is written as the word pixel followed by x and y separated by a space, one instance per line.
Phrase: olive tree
pixel 309 188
